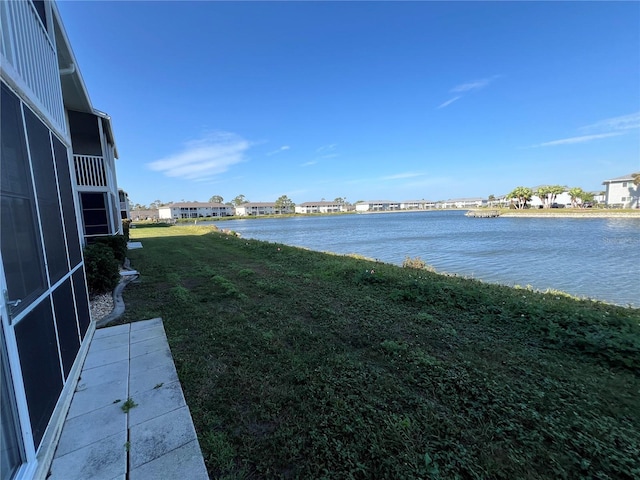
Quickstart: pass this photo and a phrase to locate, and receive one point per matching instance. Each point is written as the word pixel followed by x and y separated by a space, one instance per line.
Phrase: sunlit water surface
pixel 588 257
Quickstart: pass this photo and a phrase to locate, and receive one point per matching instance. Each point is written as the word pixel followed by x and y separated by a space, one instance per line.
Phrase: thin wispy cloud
pixel 323 153
pixel 326 148
pixel 204 158
pixel 580 139
pixel 399 176
pixel 283 148
pixel 611 127
pixel 476 85
pixel 449 102
pixel 624 122
pixel 467 88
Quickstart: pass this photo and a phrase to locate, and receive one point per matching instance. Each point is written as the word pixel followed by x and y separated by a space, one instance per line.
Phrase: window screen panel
pixel 94 213
pixel 85 133
pixel 68 202
pixel 47 194
pixel 82 301
pixel 38 351
pixel 66 322
pixel 19 233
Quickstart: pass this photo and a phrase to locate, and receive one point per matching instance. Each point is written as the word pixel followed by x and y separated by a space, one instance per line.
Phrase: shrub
pixel 117 244
pixel 126 224
pixel 103 272
pixel 416 263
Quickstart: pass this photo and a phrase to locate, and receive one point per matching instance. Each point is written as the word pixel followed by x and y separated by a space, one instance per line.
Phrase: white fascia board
pixel 63 47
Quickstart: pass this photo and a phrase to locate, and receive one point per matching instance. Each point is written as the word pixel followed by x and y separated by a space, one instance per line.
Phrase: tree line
pixel 548 194
pixel 282 203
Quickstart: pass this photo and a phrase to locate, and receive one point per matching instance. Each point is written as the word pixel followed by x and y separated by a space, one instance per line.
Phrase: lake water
pixel 588 257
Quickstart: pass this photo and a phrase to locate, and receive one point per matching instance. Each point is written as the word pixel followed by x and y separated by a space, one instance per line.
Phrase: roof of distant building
pixel 194 205
pixel 624 178
pixel 257 204
pixel 319 203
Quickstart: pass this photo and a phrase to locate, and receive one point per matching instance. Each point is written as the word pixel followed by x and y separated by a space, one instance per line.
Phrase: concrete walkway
pixel 128 365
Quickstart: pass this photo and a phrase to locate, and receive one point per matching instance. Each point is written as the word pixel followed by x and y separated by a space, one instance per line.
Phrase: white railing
pixel 30 53
pixel 90 171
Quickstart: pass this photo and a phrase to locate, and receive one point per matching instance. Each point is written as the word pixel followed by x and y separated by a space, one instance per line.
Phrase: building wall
pixel 45 317
pixel 624 194
pixel 194 211
pixel 42 268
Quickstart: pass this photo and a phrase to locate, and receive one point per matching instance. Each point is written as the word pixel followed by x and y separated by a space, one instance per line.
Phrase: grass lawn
pixel 298 364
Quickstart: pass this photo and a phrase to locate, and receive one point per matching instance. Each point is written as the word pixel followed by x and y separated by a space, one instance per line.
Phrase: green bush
pixel 117 243
pixel 102 269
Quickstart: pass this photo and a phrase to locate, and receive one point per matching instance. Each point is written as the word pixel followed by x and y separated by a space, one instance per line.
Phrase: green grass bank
pixel 299 364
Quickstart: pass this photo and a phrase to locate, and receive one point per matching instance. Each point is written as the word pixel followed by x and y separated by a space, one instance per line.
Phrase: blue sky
pixel 363 100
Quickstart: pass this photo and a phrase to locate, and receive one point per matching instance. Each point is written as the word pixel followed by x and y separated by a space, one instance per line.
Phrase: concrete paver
pixel 182 463
pixel 155 438
pixel 160 435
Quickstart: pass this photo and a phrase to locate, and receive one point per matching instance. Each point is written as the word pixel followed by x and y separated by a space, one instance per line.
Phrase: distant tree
pixel 522 195
pixel 491 198
pixel 587 197
pixel 155 204
pixel 576 193
pixel 239 200
pixel 216 199
pixel 548 194
pixel 284 204
pixel 340 200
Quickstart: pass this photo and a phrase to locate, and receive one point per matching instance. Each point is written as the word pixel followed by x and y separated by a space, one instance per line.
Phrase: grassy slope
pixel 297 364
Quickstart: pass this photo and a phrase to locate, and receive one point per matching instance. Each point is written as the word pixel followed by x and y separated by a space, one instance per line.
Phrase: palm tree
pixel 576 193
pixel 522 195
pixel 548 194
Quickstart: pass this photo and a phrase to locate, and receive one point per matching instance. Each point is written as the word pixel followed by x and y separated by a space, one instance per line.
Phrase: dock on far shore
pixel 483 213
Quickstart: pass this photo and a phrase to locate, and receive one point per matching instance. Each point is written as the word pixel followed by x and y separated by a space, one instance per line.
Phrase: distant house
pixel 563 199
pixel 417 204
pixel 377 206
pixel 622 192
pixel 260 208
pixel 125 207
pixel 57 189
pixel 194 210
pixel 463 203
pixel 148 214
pixel 320 207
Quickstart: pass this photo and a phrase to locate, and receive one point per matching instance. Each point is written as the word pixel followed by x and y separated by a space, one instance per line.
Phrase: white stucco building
pixel 260 208
pixel 377 206
pixel 622 192
pixel 194 210
pixel 320 207
pixel 463 203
